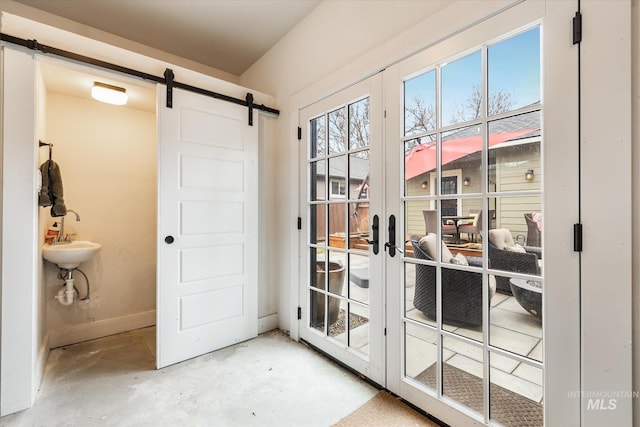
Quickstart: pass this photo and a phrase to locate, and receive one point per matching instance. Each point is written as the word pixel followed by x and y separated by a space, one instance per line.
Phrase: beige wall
pixel 309 53
pixel 107 155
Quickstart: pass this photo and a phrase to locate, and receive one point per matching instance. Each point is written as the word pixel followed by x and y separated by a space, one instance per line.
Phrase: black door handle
pixel 375 232
pixel 169 240
pixel 391 244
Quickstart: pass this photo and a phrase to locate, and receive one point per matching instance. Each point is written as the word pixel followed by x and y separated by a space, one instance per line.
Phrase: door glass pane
pixel 421 352
pixel 337 131
pixel 337 224
pixel 358 225
pixel 451 209
pixel 317 224
pixel 462 373
pixel 514 72
pixel 337 272
pixel 338 178
pixel 515 235
pixel 317 181
pixel 515 384
pixel 359 277
pixel 318 137
pixel 359 328
pixel 461 159
pixel 462 98
pixel 420 291
pixel 515 318
pixel 359 124
pixel 420 104
pixel 337 319
pixel 420 166
pixel 462 302
pixel 514 153
pixel 317 314
pixel 359 175
pixel 420 218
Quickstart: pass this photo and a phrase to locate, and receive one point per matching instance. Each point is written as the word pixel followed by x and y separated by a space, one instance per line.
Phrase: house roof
pixel 468 141
pixel 359 168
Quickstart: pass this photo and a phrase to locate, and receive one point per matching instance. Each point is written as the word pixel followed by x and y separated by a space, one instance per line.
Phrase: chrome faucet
pixel 66 238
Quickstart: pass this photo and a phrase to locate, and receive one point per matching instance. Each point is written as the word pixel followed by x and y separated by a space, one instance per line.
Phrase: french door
pixel 479 324
pixel 342 307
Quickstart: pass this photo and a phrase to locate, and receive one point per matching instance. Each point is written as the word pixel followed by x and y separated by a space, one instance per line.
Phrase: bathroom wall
pixel 107 156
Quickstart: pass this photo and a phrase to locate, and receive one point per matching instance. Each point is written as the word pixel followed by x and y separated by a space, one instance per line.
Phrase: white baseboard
pixel 267 323
pixel 101 328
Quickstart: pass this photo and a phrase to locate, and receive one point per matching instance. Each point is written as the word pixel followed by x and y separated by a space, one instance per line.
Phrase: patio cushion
pixel 515 248
pixel 428 245
pixel 501 237
pixel 459 259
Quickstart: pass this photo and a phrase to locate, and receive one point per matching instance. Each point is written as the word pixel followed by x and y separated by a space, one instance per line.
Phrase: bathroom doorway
pixel 108 160
pixel 165 191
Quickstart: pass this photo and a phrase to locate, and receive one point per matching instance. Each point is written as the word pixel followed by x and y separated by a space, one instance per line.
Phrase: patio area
pixel 511 328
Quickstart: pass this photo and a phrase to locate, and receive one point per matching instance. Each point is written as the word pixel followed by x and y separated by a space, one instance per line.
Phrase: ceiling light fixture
pixel 110 94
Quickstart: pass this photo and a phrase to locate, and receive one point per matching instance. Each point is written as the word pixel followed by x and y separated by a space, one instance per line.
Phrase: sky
pixel 513 66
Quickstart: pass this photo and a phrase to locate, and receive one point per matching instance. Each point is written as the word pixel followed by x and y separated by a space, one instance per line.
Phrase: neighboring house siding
pixel 511 162
pixel 511 166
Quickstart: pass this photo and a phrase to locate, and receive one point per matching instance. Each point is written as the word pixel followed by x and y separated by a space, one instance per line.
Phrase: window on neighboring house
pixel 338 188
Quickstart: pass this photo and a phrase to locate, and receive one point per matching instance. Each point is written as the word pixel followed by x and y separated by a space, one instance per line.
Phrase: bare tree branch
pixel 499 102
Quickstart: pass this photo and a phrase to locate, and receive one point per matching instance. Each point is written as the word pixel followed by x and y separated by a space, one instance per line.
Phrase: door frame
pixel 563 241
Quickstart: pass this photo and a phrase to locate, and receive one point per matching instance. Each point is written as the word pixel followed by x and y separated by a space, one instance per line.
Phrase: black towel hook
pixel 42 144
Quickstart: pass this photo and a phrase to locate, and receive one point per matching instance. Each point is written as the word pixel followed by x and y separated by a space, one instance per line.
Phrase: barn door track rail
pixel 167 79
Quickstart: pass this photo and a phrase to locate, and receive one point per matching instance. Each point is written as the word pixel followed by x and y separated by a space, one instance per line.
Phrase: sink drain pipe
pixel 67 294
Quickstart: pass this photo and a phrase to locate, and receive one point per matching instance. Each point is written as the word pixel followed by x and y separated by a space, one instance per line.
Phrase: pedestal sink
pixel 69 255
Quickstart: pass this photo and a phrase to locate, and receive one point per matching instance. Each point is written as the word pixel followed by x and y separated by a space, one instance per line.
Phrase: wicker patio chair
pixel 461 290
pixel 510 261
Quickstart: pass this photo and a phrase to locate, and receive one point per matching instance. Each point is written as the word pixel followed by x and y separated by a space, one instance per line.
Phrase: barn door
pixel 207 226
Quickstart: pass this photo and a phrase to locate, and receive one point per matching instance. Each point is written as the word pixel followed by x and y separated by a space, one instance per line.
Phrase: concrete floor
pixel 268 381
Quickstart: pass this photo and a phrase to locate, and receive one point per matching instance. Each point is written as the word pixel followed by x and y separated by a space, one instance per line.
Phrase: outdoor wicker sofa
pixel 500 258
pixel 461 290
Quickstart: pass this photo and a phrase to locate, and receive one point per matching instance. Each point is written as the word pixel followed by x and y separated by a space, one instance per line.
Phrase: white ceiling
pixel 229 35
